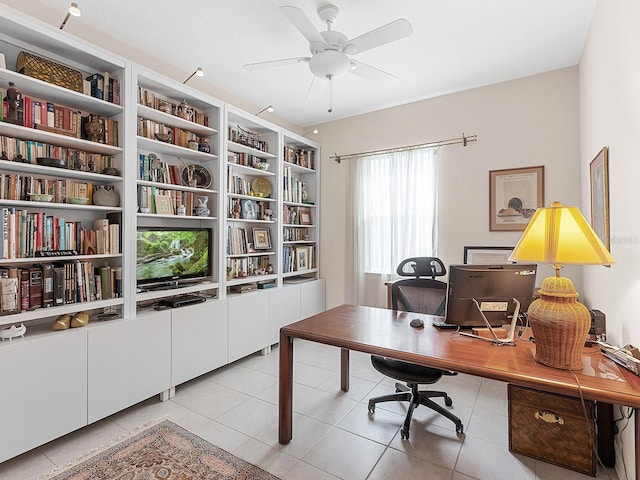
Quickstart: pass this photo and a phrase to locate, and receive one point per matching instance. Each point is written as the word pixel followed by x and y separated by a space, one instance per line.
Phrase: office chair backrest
pixel 422 293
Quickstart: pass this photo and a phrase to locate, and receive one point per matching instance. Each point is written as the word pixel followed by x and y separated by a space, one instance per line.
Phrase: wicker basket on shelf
pixel 49 71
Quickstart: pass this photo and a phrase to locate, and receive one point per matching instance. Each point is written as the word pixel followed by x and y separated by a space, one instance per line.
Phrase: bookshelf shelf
pixel 173 121
pixel 239 148
pixel 54 311
pixel 41 170
pixel 24 133
pixel 53 93
pixel 247 170
pixel 57 206
pixel 157 146
pixel 182 188
pixel 151 295
pixel 174 217
pixel 61 258
pixel 254 278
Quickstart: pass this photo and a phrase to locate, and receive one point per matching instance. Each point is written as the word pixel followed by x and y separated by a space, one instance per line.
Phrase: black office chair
pixel 422 294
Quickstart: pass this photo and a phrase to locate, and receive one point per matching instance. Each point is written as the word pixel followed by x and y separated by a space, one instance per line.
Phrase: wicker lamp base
pixel 560 324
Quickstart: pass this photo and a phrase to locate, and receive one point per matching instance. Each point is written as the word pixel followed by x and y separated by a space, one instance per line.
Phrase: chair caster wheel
pixel 372 408
pixel 459 429
pixel 404 435
pixel 447 401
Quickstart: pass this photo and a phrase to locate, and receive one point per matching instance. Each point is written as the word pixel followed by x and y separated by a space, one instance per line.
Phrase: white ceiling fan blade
pixel 316 88
pixel 276 63
pixel 386 34
pixel 372 73
pixel 303 24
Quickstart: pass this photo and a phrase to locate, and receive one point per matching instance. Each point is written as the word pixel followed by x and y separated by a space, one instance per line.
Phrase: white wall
pixel 609 77
pixel 526 122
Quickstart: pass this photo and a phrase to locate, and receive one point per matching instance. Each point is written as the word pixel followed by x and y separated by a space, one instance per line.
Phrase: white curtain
pixel 392 216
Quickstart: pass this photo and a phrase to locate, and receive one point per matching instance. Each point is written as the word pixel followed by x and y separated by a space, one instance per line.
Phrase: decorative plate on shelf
pixel 201 175
pixel 261 187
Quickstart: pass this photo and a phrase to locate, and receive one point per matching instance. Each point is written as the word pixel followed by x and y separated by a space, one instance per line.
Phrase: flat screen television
pixel 493 287
pixel 172 255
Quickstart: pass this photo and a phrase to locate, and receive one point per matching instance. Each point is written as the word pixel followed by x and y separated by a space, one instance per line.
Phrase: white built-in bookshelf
pixel 80 211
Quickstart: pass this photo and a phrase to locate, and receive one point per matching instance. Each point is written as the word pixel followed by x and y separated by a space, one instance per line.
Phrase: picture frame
pixel 249 209
pixel 514 196
pixel 305 216
pixel 261 238
pixel 303 260
pixel 599 191
pixel 475 255
pixel 164 204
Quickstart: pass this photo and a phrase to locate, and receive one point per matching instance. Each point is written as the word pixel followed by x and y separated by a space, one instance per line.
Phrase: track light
pixel 73 10
pixel 314 131
pixel 268 108
pixel 198 73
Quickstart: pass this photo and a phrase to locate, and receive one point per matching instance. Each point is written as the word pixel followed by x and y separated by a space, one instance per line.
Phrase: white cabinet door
pixel 312 298
pixel 44 389
pixel 129 361
pixel 248 323
pixel 200 340
pixel 284 308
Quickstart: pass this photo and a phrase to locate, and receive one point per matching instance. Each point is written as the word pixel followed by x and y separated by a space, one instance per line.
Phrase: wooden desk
pixel 387 332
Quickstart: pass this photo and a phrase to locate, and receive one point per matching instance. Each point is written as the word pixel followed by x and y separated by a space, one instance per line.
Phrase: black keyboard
pixel 182 300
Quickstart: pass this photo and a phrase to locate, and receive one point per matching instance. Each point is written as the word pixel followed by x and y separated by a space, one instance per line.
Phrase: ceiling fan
pixel 331 49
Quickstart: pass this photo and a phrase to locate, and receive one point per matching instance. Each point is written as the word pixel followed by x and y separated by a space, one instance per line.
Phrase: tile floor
pixel 235 408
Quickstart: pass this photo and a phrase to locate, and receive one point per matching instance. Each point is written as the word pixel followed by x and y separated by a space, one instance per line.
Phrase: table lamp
pixel 560 235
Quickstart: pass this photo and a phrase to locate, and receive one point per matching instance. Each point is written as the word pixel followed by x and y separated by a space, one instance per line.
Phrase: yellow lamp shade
pixel 560 235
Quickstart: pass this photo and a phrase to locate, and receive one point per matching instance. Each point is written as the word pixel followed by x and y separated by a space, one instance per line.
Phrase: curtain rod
pixel 464 140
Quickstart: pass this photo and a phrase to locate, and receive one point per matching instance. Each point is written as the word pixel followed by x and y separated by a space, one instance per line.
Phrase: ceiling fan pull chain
pixel 330 77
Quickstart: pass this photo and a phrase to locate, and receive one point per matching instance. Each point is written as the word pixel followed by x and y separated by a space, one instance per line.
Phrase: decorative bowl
pixel 163 137
pixel 77 200
pixel 40 197
pixel 262 165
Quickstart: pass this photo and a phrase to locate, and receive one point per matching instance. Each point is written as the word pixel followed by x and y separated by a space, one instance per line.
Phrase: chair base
pixel 410 393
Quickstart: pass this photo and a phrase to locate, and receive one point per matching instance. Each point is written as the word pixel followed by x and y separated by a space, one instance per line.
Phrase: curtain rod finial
pixel 464 140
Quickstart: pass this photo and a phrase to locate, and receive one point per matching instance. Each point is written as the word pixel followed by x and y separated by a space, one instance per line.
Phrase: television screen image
pixel 493 287
pixel 165 255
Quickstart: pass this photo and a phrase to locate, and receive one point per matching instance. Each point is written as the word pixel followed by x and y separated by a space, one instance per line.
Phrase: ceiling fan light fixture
pixel 329 64
pixel 349 49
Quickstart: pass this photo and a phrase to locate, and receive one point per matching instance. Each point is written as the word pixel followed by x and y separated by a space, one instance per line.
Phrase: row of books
pixel 293 234
pixel 28 151
pixel 15 186
pixel 177 136
pixel 237 134
pixel 298 258
pixel 103 86
pixel 247 267
pixel 294 190
pixel 298 156
pixel 156 200
pixel 294 215
pixel 237 184
pixel 55 284
pixel 31 234
pixel 245 159
pixel 238 241
pixel 51 117
pixel 148 98
pixel 155 170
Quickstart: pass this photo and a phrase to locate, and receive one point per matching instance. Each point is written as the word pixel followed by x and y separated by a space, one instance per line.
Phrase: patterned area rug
pixel 165 451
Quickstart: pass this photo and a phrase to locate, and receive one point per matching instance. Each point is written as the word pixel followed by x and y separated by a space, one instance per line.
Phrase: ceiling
pixel 456 45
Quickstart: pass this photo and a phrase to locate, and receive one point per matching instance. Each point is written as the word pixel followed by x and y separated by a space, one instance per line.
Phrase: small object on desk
pixel 417 323
pixel 486 333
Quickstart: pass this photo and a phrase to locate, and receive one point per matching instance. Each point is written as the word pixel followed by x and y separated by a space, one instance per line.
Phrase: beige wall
pixel 526 122
pixel 609 76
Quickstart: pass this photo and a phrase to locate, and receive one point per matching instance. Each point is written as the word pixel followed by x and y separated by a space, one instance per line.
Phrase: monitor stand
pixel 509 340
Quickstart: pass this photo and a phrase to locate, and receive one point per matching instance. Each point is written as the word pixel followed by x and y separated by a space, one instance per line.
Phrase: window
pixel 395 201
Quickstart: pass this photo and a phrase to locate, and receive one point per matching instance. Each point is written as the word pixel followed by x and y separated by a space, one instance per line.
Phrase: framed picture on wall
pixel 599 188
pixel 487 255
pixel 514 196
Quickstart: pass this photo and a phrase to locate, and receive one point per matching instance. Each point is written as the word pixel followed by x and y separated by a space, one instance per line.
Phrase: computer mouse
pixel 417 323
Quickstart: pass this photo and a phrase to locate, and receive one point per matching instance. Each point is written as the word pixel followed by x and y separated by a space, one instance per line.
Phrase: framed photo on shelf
pixel 487 255
pixel 303 258
pixel 261 238
pixel 305 216
pixel 599 188
pixel 164 204
pixel 249 209
pixel 514 196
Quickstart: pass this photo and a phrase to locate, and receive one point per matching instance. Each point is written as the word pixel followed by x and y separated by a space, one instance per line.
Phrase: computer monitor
pixel 493 287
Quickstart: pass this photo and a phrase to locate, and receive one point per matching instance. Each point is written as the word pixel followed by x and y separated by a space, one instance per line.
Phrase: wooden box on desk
pixel 552 428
